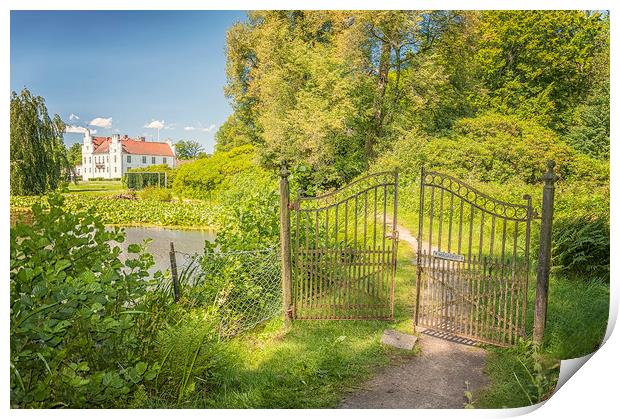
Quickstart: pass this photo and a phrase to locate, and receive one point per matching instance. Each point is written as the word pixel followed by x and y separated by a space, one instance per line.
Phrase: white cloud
pixel 73 117
pixel 189 128
pixel 156 125
pixel 209 128
pixel 101 122
pixel 73 129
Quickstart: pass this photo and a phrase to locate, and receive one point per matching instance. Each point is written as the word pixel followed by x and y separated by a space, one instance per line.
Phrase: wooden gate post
pixel 544 253
pixel 173 272
pixel 285 244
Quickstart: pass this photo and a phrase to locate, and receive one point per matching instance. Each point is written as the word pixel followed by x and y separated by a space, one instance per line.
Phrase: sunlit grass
pixel 96 187
pixel 312 365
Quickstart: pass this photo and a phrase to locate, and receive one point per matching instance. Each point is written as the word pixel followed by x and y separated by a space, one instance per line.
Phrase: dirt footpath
pixel 434 380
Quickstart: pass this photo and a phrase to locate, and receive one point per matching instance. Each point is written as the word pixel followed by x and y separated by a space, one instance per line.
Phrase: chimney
pixel 169 142
pixel 142 139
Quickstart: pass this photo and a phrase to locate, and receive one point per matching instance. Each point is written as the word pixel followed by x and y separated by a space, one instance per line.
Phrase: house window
pixel 144 159
pixel 164 160
pixel 84 160
pixel 128 159
pixel 108 159
pixel 114 169
pixel 114 159
pixel 89 159
pixel 152 160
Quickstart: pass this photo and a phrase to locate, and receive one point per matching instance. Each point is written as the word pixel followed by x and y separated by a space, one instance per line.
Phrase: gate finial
pixel 550 177
pixel 284 172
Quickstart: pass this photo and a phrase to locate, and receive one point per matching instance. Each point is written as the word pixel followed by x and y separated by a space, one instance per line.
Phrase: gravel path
pixel 436 379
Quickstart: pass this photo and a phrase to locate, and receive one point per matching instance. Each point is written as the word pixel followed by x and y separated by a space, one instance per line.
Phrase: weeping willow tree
pixel 38 155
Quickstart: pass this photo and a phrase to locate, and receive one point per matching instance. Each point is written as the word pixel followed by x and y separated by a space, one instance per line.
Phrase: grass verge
pixel 311 366
pixel 576 323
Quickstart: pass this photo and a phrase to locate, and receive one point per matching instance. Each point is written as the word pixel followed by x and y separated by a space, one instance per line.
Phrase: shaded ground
pixel 437 378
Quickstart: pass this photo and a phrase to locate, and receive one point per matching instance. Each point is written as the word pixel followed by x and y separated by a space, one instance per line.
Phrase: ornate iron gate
pixel 344 251
pixel 472 261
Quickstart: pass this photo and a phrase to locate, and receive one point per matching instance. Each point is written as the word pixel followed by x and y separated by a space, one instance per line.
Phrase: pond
pixel 186 241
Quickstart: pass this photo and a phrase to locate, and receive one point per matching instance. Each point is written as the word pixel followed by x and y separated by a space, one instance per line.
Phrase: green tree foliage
pixel 74 154
pixel 539 64
pixel 203 176
pixel 187 149
pixel 330 91
pixel 321 89
pixel 232 133
pixel 38 156
pixel 589 132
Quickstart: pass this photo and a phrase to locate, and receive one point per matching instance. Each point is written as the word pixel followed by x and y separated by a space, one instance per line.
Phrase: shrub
pixel 250 211
pixel 201 177
pixel 74 310
pixel 494 148
pixel 581 247
pixel 155 193
pixel 190 357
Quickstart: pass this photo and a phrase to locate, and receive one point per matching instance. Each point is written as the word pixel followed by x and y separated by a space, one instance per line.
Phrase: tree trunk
pixel 384 67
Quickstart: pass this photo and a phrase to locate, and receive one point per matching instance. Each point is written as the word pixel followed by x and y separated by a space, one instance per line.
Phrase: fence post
pixel 173 272
pixel 544 253
pixel 285 243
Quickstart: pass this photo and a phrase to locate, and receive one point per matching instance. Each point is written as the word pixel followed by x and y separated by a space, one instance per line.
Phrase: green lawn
pixel 311 366
pixel 96 187
pixel 317 362
pixel 576 323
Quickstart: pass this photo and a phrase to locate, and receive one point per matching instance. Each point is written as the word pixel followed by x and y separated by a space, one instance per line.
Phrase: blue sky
pixel 124 70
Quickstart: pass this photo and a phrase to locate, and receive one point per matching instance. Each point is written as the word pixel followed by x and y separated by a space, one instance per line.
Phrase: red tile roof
pixel 131 146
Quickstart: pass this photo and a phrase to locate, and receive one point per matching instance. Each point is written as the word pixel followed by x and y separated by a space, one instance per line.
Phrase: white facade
pixel 111 157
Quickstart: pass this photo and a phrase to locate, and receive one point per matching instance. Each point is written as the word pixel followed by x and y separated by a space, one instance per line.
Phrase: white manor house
pixel 111 157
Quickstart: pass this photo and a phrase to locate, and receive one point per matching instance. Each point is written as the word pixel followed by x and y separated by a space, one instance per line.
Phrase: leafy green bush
pixel 74 310
pixel 493 148
pixel 581 247
pixel 155 193
pixel 201 177
pixel 249 215
pixel 190 358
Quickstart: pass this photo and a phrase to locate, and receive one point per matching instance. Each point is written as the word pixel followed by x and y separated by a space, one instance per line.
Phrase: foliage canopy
pixel 38 156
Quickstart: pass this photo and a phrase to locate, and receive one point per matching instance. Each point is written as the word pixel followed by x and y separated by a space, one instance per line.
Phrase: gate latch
pixel 393 236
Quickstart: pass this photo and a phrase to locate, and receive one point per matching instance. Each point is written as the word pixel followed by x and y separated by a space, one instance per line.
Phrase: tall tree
pixel 538 64
pixel 232 133
pixel 74 154
pixel 319 88
pixel 38 155
pixel 188 149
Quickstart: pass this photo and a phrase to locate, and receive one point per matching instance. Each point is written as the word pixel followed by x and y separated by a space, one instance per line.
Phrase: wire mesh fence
pixel 242 287
pixel 140 180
